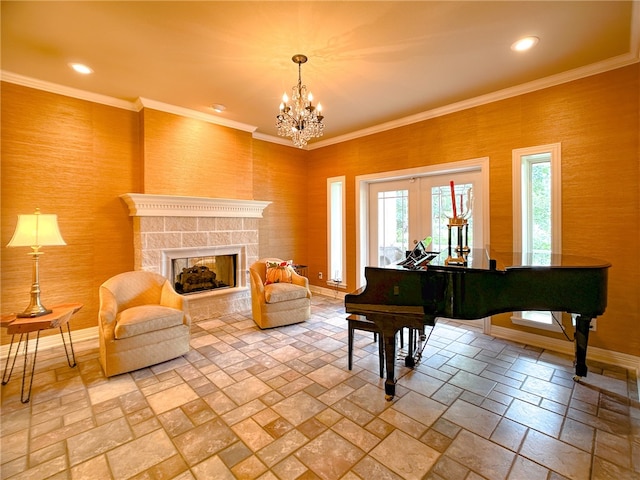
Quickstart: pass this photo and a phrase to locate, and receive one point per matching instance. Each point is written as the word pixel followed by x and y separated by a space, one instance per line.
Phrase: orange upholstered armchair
pixel 279 296
pixel 141 322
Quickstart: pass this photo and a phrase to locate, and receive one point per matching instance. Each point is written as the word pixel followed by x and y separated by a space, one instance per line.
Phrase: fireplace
pixel 172 233
pixel 197 274
pixel 204 269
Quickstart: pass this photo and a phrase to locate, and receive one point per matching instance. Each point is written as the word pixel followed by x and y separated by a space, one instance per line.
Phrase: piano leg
pixel 388 329
pixel 389 324
pixel 410 360
pixel 583 324
pixel 389 341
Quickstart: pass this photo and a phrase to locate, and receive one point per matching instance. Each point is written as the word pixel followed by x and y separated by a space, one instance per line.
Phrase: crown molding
pixel 50 87
pixel 148 205
pixel 142 102
pixel 273 139
pixel 551 81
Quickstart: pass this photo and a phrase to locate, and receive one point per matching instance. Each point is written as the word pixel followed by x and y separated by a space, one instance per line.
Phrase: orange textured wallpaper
pixel 280 176
pixel 184 156
pixel 74 158
pixel 597 122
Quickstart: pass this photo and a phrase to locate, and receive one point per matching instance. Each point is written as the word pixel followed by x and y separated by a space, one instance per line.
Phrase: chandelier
pixel 299 119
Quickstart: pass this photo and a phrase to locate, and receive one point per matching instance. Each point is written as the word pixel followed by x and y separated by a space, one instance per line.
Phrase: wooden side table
pixel 300 269
pixel 58 318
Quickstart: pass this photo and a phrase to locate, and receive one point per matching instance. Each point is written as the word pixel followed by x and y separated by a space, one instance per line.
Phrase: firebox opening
pixel 196 274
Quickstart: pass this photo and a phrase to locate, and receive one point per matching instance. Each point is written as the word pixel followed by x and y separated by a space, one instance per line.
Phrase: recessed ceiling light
pixel 81 68
pixel 218 107
pixel 524 44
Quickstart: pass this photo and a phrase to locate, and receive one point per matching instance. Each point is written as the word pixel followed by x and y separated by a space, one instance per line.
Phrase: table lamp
pixel 36 231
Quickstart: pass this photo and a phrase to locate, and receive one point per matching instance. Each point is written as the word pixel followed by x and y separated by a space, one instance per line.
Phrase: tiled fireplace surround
pixel 166 226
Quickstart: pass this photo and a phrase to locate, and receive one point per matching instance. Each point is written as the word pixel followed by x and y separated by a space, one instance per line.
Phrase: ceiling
pixel 370 63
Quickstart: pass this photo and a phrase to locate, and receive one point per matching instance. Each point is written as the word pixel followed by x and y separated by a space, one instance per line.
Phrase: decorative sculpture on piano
pixel 460 221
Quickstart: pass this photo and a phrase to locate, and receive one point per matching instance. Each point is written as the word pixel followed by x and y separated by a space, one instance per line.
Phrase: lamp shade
pixel 36 230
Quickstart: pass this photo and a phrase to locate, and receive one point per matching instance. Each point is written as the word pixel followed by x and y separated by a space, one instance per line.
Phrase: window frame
pixel 521 163
pixel 336 233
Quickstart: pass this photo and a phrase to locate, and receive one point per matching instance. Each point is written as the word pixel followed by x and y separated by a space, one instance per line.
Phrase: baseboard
pixel 624 360
pixel 630 362
pixel 328 292
pixel 51 341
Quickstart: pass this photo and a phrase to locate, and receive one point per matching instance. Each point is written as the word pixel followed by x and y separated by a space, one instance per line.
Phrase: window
pixel 336 230
pixel 537 216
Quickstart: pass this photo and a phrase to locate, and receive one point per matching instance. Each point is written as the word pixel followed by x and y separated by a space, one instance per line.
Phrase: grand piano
pixel 413 293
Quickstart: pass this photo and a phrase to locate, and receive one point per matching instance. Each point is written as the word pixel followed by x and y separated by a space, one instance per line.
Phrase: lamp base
pixel 34 311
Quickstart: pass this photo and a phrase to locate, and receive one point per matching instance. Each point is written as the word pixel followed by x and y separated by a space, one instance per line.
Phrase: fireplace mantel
pixel 148 205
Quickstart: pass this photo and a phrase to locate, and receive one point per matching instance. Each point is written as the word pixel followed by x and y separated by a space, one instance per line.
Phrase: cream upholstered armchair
pixel 141 322
pixel 281 300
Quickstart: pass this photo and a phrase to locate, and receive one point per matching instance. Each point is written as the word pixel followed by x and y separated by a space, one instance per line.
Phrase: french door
pixel 403 212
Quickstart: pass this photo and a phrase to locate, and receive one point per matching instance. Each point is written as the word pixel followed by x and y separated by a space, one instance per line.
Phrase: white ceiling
pixel 370 63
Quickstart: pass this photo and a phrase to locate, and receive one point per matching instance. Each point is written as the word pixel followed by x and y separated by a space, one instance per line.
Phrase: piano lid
pixel 515 260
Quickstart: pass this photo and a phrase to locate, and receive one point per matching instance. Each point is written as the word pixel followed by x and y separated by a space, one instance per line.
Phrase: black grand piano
pixel 414 292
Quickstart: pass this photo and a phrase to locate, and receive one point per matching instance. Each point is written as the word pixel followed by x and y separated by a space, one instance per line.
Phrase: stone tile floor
pixel 281 404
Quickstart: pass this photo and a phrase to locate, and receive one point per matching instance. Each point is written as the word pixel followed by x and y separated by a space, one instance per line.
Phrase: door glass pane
pixel 393 226
pixel 442 210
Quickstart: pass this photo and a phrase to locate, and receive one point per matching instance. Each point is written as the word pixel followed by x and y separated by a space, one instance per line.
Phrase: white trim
pixel 330 278
pixel 50 87
pixel 518 192
pixel 610 357
pixel 189 113
pixel 147 205
pixel 555 149
pixel 52 341
pixel 278 140
pixel 553 80
pixel 328 292
pixel 596 354
pixel 362 195
pixel 535 85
